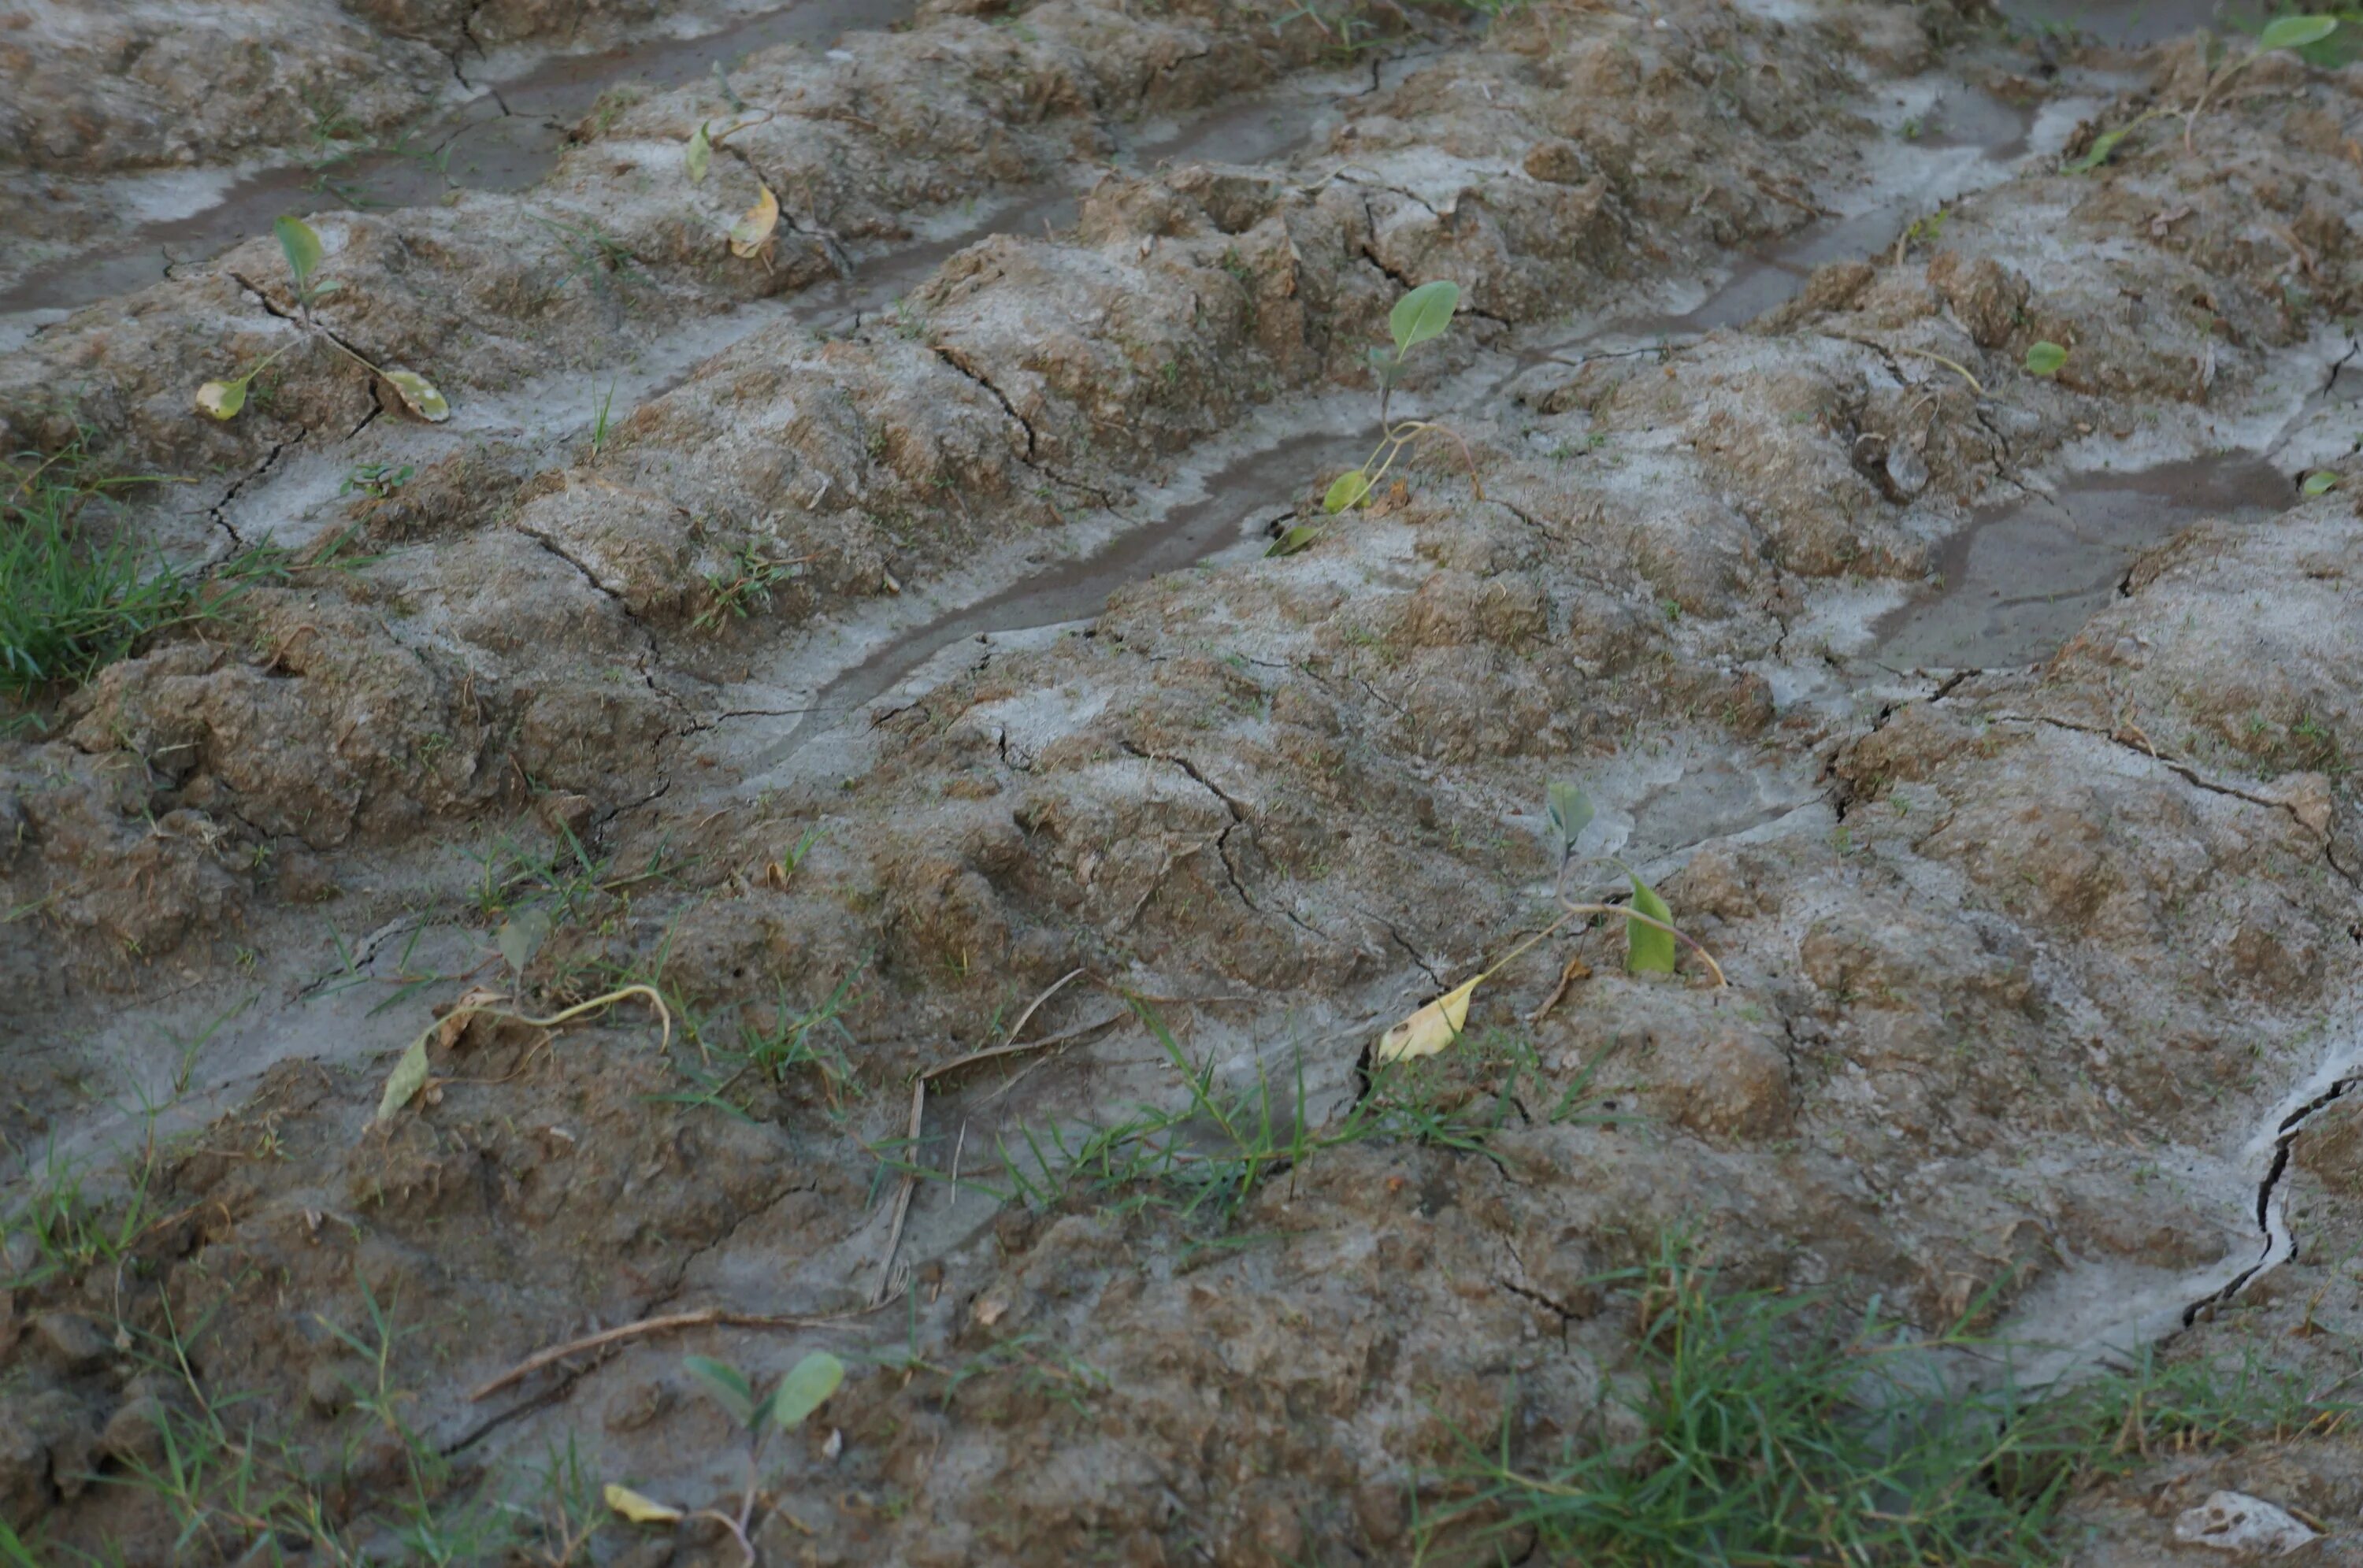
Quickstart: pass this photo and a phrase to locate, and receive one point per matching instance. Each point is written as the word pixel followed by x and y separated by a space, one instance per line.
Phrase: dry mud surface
pixel 901 643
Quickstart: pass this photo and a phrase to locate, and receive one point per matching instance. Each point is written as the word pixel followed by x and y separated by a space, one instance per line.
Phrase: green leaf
pixel 409 1076
pixel 521 936
pixel 1569 809
pixel 2318 481
pixel 700 154
pixel 13 1550
pixel 1649 950
pixel 806 1389
pixel 2296 32
pixel 223 399
pixel 302 247
pixel 420 394
pixel 725 1386
pixel 1424 313
pixel 1295 539
pixel 1346 490
pixel 2098 153
pixel 2044 358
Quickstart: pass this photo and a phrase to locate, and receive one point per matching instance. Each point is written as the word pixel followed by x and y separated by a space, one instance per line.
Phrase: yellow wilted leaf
pixel 753 231
pixel 222 398
pixel 636 1509
pixel 419 392
pixel 1429 1030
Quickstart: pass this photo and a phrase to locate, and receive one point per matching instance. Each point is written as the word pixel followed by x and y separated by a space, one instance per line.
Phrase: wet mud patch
pixel 1223 521
pixel 508 134
pixel 2023 576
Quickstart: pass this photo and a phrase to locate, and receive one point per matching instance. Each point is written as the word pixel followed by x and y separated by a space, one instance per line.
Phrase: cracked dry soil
pixel 904 643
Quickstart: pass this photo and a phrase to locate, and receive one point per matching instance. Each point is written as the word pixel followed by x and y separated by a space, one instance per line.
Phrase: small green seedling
pixel 1924 230
pixel 1568 811
pixel 1650 938
pixel 2319 482
pixel 1419 316
pixel 601 424
pixel 2292 33
pixel 804 1389
pixel 2044 358
pixel 2281 33
pixel 2105 144
pixel 301 245
pixel 376 481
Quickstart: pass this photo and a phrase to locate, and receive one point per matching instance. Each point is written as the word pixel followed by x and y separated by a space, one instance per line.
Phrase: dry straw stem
pixel 410 1073
pixel 1953 365
pixel 705 1316
pixel 1876 346
pixel 919 1110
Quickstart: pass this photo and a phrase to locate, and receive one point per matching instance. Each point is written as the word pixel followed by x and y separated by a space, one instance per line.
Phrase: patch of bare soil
pixel 912 813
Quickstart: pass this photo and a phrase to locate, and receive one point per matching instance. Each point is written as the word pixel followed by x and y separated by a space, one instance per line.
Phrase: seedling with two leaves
pixel 785 1407
pixel 1419 316
pixel 302 247
pixel 2292 33
pixel 1649 936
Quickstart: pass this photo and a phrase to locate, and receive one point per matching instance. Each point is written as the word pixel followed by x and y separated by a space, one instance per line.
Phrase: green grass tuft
pixel 70 601
pixel 1761 1432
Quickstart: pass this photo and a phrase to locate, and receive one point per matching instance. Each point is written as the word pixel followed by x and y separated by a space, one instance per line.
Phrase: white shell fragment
pixel 2234 1521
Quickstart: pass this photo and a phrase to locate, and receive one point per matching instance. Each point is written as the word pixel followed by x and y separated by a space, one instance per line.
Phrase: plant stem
pixel 715 139
pixel 2206 88
pixel 265 363
pixel 1568 911
pixel 349 351
pixel 1953 365
pixel 737 1531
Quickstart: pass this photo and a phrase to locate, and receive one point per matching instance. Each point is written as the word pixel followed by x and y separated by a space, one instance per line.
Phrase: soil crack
pixel 1239 818
pixel 1544 1299
pixel 547 543
pixel 953 357
pixel 2267 1189
pixel 1397 937
pixel 1952 683
pixel 243 282
pixel 270 459
pixel 1238 812
pixel 2184 771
